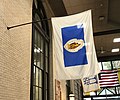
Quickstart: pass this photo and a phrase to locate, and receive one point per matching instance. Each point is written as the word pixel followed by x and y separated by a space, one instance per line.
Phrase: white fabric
pixel 90 84
pixel 79 71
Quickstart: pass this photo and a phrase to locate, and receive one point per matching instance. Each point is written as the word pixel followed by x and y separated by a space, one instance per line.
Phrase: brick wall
pixel 15 49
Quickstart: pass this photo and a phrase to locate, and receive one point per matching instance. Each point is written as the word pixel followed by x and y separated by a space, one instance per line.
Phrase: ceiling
pixel 105 17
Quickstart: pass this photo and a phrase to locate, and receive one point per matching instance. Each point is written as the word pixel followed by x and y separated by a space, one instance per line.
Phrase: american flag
pixel 108 78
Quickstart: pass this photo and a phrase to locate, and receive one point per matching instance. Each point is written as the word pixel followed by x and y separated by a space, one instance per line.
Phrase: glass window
pixel 39 41
pixel 37 19
pixel 46 49
pixel 111 90
pixel 39 78
pixel 46 95
pixel 103 92
pixel 38 58
pixel 46 63
pixel 42 14
pixel 35 1
pixel 40 94
pixel 42 60
pixel 34 79
pixel 77 89
pixel 35 38
pixel 107 91
pixel 36 76
pixel 106 65
pixel 100 65
pixel 42 45
pixel 46 56
pixel 36 92
pixel 67 89
pixel 118 90
pixel 46 81
pixel 116 64
pixel 35 55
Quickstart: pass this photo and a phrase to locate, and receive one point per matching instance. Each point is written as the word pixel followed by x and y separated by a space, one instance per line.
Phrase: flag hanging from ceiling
pixel 118 74
pixel 108 78
pixel 90 84
pixel 74 55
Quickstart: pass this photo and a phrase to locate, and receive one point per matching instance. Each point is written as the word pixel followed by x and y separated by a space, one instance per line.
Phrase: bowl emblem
pixel 74 45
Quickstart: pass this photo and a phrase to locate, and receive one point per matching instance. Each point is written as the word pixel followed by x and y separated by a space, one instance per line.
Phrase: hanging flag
pixel 90 84
pixel 108 78
pixel 86 94
pixel 118 75
pixel 74 55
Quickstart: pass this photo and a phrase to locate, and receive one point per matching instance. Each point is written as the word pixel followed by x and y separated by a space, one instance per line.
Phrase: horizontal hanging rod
pixel 26 23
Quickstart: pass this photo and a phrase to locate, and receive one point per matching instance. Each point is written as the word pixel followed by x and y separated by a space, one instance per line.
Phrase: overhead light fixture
pixel 115 50
pixel 116 40
pixel 101 4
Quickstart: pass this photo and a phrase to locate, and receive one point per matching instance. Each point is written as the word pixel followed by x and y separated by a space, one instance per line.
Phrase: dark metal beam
pixel 102 95
pixel 107 32
pixel 18 25
pixel 109 58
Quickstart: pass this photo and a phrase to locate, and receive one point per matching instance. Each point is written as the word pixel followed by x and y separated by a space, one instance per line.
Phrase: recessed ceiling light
pixel 116 40
pixel 115 50
pixel 101 4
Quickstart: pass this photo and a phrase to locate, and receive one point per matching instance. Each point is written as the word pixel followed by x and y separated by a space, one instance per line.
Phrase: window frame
pixel 44 34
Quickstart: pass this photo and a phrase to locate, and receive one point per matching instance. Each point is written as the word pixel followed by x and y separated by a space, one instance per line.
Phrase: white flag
pixel 90 84
pixel 74 55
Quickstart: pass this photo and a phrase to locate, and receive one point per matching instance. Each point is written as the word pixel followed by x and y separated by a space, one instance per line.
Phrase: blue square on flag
pixel 74 50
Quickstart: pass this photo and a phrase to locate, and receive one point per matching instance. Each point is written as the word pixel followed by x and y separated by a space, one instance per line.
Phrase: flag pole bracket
pixel 14 26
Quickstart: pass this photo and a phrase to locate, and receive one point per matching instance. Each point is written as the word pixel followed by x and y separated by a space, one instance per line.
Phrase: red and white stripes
pixel 108 78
